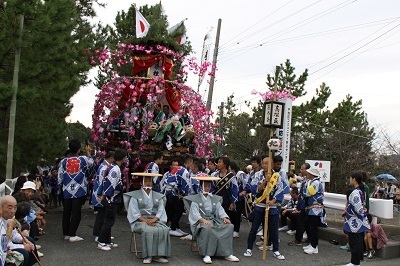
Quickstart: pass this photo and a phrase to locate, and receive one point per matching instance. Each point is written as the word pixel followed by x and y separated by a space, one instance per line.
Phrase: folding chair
pixel 134 242
pixel 135 246
pixel 193 244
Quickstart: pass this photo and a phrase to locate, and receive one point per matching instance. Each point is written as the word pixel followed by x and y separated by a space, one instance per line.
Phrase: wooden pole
pixel 32 251
pixel 13 108
pixel 271 134
pixel 215 56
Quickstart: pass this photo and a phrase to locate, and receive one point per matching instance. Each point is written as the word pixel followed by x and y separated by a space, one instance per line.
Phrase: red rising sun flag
pixel 142 26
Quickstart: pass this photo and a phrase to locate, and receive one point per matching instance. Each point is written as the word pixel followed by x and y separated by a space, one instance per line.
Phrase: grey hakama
pixel 214 240
pixel 155 239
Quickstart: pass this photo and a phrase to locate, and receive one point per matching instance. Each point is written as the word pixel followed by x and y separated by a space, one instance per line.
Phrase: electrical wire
pixel 341 58
pixel 322 33
pixel 288 30
pixel 247 29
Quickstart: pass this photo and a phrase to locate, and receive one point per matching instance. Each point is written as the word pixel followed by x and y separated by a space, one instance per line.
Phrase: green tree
pixel 125 29
pixel 53 67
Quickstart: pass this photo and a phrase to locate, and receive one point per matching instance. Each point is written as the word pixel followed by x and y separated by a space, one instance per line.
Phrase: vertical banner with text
pixel 284 133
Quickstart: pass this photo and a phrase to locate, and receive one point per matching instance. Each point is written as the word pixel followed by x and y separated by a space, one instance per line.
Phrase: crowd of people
pixel 215 194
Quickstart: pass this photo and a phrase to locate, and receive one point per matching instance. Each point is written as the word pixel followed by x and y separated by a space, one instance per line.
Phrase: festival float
pixel 144 105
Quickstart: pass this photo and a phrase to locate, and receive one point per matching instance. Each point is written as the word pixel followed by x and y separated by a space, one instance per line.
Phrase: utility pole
pixel 13 108
pixel 221 117
pixel 215 55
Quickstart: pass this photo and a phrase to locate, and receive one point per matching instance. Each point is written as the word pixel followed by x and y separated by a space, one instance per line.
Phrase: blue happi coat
pixel 314 201
pixel 356 217
pixel 72 173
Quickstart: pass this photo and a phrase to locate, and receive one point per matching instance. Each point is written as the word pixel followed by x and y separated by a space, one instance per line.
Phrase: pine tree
pixel 53 68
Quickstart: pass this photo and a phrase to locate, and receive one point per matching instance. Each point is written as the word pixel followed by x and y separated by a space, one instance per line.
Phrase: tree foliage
pixel 125 32
pixel 342 135
pixel 52 69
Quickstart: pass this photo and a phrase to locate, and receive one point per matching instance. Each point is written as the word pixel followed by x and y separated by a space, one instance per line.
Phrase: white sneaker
pixel 175 233
pixel 248 253
pixel 268 247
pixel 188 237
pixel 305 236
pixel 147 260
pixel 38 247
pixel 291 232
pixel 351 264
pixel 236 234
pixel 278 255
pixel 207 260
pixel 180 231
pixel 232 258
pixel 112 245
pixel 75 239
pixel 311 250
pixel 96 239
pixel 103 246
pixel 284 228
pixel 260 233
pixel 160 260
pixel 66 237
pixel 40 254
pixel 307 247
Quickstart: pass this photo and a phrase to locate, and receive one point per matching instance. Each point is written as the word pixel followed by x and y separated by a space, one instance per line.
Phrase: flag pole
pixel 269 174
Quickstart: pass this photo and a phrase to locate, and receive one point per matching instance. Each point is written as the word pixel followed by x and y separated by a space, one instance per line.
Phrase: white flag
pixel 182 39
pixel 205 54
pixel 142 26
pixel 174 28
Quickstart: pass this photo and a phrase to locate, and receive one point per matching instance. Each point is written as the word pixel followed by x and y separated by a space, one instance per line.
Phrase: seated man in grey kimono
pixel 209 222
pixel 147 216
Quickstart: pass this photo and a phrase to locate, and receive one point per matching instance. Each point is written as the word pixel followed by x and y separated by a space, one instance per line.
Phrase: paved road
pixel 59 252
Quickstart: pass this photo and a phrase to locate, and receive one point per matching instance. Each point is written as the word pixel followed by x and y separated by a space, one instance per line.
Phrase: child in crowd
pixel 374 239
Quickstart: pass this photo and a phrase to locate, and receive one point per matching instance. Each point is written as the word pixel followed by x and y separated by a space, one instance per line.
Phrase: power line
pixel 276 22
pixel 322 33
pixel 356 55
pixel 355 50
pixel 289 29
pixel 267 16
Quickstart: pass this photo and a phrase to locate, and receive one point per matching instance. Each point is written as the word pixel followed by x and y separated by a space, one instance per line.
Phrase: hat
pixel 146 174
pixel 313 171
pixel 205 177
pixel 29 185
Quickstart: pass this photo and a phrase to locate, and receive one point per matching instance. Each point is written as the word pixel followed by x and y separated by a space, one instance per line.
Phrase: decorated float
pixel 144 105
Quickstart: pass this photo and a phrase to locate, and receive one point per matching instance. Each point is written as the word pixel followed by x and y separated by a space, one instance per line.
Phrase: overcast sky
pixel 352 46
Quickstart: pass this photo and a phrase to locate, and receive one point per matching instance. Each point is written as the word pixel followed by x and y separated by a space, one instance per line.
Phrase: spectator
pixel 24 245
pixel 290 211
pixel 20 182
pixel 374 239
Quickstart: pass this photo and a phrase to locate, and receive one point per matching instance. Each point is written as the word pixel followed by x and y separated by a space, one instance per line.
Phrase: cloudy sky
pixel 350 45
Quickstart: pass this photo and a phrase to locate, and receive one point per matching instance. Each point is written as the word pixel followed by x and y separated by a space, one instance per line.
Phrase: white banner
pixel 284 133
pixel 324 168
pixel 205 55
